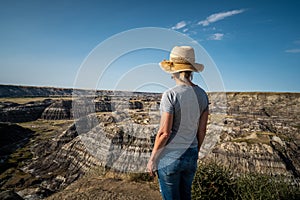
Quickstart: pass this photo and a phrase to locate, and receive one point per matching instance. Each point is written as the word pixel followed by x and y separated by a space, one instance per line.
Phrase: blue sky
pixel 255 44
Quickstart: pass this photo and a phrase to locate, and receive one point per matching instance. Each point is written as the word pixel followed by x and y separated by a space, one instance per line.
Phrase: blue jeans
pixel 176 172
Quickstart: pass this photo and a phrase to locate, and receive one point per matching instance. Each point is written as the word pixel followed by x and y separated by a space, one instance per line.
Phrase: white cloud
pixel 216 36
pixel 179 25
pixel 219 16
pixel 297 42
pixel 292 51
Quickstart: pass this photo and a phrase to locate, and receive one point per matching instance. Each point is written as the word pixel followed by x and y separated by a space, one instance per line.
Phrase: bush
pixel 212 181
pixel 259 186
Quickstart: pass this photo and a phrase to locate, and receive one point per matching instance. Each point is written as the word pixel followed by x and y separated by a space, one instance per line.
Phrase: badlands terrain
pixel 76 144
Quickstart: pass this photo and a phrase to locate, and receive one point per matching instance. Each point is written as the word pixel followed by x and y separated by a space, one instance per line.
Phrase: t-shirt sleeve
pixel 166 104
pixel 207 103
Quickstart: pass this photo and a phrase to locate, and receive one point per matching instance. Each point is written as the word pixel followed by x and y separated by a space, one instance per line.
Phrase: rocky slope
pixel 14 112
pixel 260 133
pixel 12 137
pixel 58 110
pixel 249 132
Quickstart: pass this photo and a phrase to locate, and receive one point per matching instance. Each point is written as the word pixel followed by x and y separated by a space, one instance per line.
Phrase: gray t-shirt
pixel 186 103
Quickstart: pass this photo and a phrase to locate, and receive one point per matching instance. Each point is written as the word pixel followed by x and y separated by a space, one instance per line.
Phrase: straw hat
pixel 182 58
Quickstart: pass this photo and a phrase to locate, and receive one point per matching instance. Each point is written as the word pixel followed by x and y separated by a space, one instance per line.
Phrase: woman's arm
pixel 161 139
pixel 202 128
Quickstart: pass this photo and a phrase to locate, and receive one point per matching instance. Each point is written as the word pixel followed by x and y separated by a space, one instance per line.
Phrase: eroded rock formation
pixel 248 132
pixel 31 111
pixel 58 110
pixel 259 133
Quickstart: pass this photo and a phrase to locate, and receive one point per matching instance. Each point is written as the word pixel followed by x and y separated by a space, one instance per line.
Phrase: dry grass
pixel 255 137
pixel 24 100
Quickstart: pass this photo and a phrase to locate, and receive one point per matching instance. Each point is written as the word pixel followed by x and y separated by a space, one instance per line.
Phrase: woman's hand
pixel 151 167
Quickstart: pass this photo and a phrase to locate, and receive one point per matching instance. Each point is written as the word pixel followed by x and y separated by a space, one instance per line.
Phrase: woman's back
pixel 186 103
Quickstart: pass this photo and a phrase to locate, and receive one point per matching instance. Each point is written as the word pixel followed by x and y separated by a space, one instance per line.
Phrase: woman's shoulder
pixel 172 93
pixel 182 89
pixel 171 90
pixel 200 89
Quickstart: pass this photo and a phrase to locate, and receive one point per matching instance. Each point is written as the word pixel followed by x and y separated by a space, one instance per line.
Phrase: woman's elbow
pixel 164 134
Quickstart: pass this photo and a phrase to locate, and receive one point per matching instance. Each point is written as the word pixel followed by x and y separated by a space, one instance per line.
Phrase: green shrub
pixel 212 181
pixel 259 186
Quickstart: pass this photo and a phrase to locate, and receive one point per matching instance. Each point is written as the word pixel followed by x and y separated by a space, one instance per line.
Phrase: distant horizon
pixel 87 89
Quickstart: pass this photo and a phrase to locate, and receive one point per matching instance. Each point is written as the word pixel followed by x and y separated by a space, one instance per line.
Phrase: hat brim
pixel 172 67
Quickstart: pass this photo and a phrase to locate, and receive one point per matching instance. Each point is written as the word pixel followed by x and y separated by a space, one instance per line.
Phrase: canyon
pixel 52 137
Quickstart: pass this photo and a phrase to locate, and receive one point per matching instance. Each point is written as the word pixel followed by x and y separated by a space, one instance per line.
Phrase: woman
pixel 184 114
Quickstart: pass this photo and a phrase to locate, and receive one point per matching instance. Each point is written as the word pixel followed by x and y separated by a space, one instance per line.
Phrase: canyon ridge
pixel 52 139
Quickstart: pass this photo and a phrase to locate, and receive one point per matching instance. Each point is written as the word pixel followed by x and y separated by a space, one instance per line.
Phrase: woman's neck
pixel 184 82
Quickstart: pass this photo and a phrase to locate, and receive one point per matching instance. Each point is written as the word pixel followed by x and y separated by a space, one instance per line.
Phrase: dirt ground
pixel 108 188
